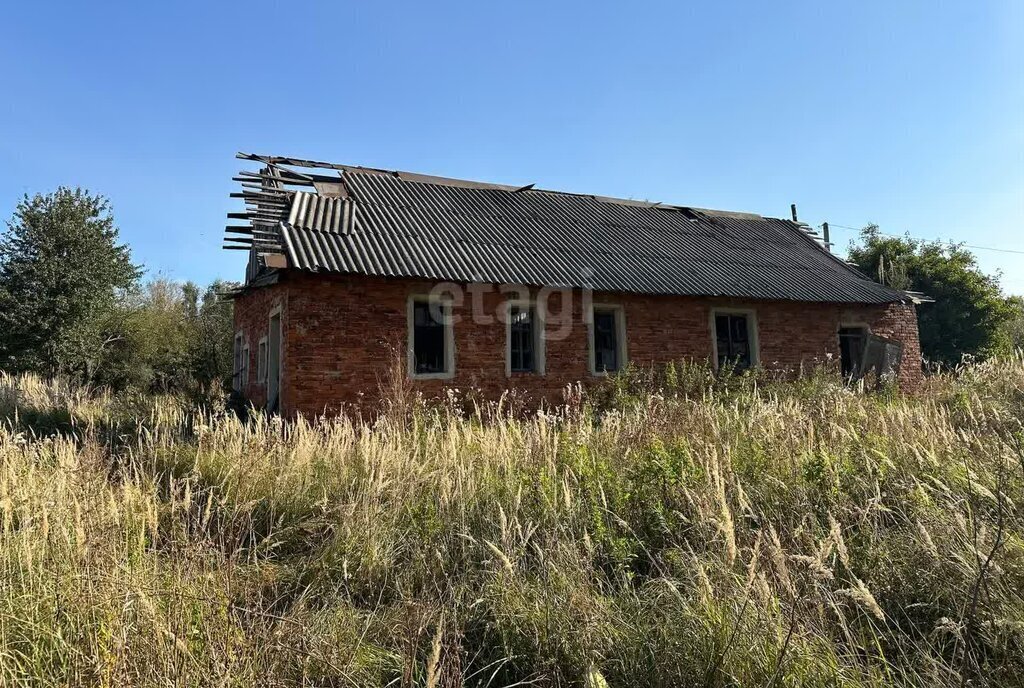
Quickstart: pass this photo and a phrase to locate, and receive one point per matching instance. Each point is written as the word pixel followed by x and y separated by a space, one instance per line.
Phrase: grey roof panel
pixel 397 225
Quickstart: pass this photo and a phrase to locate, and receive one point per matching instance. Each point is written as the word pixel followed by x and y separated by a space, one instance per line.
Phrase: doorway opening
pixel 852 341
pixel 274 364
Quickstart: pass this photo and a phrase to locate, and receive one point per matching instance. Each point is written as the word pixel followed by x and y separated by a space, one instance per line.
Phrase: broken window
pixel 606 343
pixel 429 341
pixel 852 341
pixel 522 338
pixel 733 340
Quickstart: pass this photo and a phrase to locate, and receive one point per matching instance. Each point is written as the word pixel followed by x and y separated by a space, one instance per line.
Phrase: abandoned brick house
pixel 489 287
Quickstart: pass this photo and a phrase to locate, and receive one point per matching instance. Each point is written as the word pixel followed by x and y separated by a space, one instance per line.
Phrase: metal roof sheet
pixel 393 224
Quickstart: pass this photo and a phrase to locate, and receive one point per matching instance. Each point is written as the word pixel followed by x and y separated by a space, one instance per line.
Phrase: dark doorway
pixel 274 364
pixel 851 349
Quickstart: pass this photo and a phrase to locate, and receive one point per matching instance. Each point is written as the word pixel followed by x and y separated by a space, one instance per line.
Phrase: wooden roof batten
pixel 257 229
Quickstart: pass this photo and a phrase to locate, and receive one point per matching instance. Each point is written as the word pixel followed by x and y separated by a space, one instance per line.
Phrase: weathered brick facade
pixel 342 335
pixel 252 321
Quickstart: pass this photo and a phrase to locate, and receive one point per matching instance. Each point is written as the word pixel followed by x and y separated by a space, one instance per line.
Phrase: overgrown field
pixel 678 531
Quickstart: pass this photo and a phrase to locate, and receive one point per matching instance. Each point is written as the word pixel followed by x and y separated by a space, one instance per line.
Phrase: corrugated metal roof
pixel 392 226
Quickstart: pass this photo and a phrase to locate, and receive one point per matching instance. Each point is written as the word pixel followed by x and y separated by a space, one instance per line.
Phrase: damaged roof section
pixel 347 219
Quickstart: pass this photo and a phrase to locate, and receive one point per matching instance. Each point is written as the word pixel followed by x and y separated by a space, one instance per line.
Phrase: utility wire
pixel 938 241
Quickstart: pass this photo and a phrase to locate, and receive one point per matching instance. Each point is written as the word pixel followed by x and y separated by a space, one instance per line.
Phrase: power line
pixel 937 241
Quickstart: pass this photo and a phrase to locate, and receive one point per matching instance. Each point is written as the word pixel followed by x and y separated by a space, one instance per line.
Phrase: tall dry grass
pixel 675 532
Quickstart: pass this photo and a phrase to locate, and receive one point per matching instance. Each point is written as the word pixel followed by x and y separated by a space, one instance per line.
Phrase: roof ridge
pixel 421 178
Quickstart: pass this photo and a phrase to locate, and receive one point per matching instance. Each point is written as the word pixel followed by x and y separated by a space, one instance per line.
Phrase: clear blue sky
pixel 908 114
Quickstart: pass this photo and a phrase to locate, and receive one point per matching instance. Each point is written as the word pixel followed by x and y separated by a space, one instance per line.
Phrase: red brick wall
pixel 252 320
pixel 343 335
pixel 899 321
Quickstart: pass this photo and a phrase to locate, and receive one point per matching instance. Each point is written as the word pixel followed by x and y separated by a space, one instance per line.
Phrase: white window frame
pixel 752 333
pixel 620 337
pixel 449 338
pixel 262 352
pixel 275 312
pixel 539 365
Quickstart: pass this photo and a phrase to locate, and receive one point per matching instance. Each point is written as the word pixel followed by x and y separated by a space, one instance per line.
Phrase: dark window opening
pixel 428 338
pixel 732 334
pixel 521 339
pixel 852 341
pixel 606 342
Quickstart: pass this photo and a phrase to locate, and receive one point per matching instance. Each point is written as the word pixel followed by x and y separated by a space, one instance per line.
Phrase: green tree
pixel 61 274
pixel 1015 324
pixel 970 313
pixel 152 340
pixel 211 356
pixel 172 338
